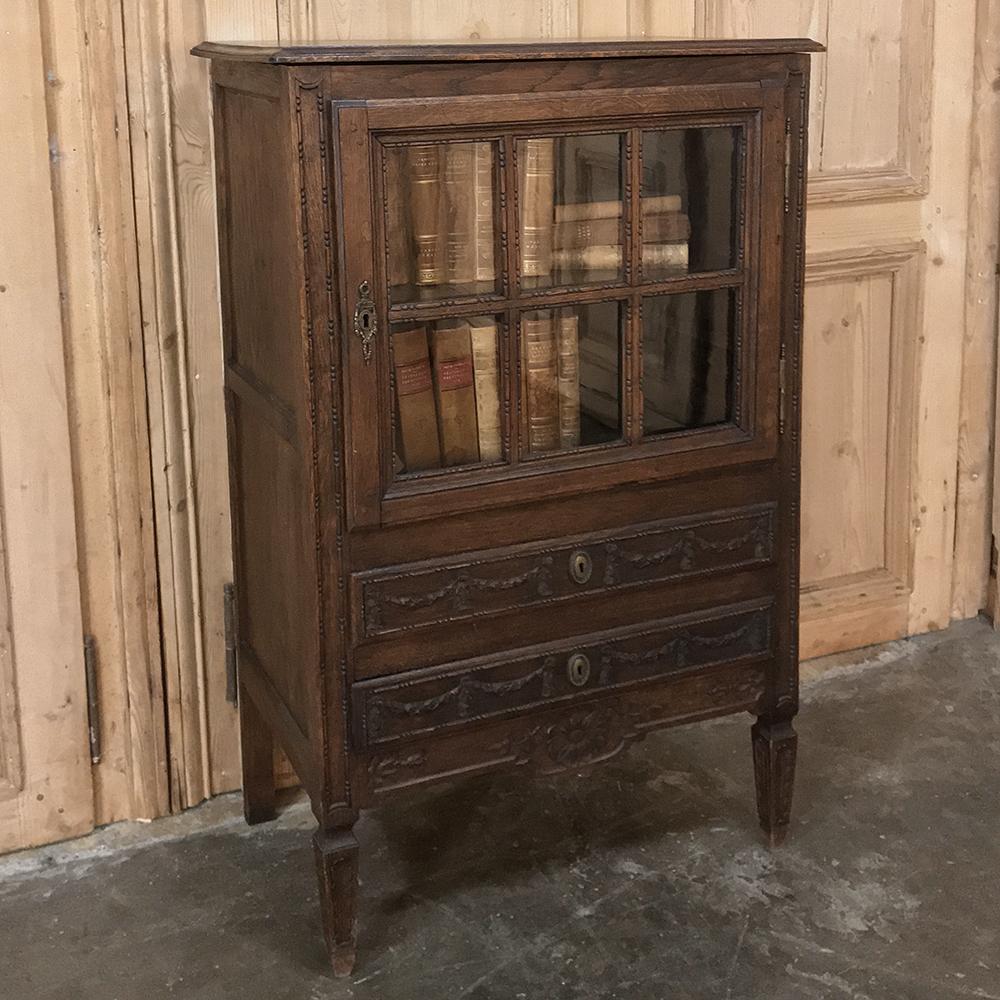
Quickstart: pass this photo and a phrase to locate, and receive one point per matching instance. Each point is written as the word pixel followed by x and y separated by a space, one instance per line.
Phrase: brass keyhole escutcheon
pixel 578 670
pixel 581 567
pixel 365 320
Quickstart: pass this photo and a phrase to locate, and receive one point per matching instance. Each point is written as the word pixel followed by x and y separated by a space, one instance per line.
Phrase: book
pixel 454 389
pixel 424 164
pixel 536 169
pixel 483 333
pixel 418 421
pixel 667 227
pixel 397 228
pixel 541 381
pixel 568 375
pixel 609 258
pixel 575 211
pixel 459 212
pixel 483 237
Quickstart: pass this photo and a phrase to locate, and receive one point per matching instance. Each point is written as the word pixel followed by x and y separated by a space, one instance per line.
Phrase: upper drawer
pixel 437 591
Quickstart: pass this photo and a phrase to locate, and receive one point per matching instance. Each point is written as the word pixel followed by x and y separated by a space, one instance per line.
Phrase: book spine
pixel 484 364
pixel 575 211
pixel 459 213
pixel 484 238
pixel 537 184
pixel 569 380
pixel 670 227
pixel 601 258
pixel 425 168
pixel 456 395
pixel 541 377
pixel 418 422
pixel 400 254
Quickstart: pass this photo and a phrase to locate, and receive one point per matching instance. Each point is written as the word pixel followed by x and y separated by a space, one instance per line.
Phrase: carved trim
pixel 384 768
pixel 456 592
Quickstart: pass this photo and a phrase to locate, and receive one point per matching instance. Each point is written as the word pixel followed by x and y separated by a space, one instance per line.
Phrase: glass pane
pixel 570 208
pixel 687 360
pixel 447 393
pixel 689 194
pixel 571 377
pixel 440 220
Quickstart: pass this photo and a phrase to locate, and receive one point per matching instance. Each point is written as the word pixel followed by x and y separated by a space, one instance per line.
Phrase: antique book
pixel 396 223
pixel 665 227
pixel 483 333
pixel 541 381
pixel 575 211
pixel 536 168
pixel 418 422
pixel 454 389
pixel 425 176
pixel 459 212
pixel 609 258
pixel 569 378
pixel 483 236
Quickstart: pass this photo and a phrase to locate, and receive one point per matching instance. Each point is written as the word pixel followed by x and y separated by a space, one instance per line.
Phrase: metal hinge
pixel 229 620
pixel 788 165
pixel 781 391
pixel 93 702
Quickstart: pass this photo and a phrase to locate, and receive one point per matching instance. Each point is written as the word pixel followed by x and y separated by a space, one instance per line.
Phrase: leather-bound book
pixel 483 333
pixel 536 167
pixel 459 212
pixel 451 350
pixel 397 227
pixel 541 382
pixel 574 211
pixel 673 256
pixel 418 421
pixel 424 164
pixel 483 237
pixel 569 379
pixel 667 227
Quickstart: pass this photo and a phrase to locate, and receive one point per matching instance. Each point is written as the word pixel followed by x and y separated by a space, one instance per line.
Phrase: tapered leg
pixel 774 745
pixel 257 748
pixel 337 867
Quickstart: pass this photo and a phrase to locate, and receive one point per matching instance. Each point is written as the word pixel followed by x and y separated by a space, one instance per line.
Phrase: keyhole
pixel 365 321
pixel 578 670
pixel 580 567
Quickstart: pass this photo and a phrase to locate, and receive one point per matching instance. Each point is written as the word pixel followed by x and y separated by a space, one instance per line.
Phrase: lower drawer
pixel 412 704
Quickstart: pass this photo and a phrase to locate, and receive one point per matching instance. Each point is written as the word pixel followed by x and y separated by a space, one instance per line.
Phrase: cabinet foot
pixel 257 751
pixel 337 868
pixel 774 748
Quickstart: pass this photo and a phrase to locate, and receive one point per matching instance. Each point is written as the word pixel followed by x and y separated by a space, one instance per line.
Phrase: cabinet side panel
pixel 268 407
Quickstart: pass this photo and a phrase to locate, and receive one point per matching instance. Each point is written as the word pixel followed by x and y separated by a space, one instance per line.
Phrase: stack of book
pixel 448 394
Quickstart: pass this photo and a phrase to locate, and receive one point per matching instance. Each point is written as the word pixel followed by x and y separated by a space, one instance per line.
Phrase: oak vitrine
pixel 512 339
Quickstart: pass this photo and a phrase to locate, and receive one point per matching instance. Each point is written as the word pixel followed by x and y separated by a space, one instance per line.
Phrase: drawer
pixel 436 592
pixel 458 694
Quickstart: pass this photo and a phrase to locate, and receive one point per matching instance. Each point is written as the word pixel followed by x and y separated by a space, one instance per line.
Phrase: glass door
pixel 567 299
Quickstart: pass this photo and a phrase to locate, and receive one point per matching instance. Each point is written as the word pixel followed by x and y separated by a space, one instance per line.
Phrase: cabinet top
pixel 476 51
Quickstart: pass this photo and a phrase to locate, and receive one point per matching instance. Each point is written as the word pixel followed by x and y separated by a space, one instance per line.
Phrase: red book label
pixel 455 374
pixel 412 378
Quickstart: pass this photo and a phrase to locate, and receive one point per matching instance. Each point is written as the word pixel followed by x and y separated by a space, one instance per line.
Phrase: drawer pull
pixel 581 566
pixel 578 670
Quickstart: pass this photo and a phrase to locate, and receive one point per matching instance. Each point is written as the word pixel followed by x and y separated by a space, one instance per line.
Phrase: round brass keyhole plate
pixel 578 669
pixel 581 566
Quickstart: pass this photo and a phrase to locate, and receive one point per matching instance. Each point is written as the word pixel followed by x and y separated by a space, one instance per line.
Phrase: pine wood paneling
pixel 49 796
pixel 844 435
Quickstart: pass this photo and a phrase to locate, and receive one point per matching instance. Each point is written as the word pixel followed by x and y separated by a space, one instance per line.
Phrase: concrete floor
pixel 647 882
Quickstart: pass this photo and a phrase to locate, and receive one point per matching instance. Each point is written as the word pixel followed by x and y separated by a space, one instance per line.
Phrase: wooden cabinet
pixel 512 351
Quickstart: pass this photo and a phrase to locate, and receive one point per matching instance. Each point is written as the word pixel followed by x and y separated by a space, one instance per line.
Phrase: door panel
pixel 45 780
pixel 532 297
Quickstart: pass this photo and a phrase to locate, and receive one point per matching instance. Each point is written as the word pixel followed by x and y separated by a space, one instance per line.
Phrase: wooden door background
pixel 109 116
